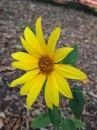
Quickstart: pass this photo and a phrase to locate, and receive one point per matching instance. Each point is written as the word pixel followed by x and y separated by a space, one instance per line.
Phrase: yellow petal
pixel 48 92
pixel 35 90
pixel 25 64
pixel 61 53
pixel 25 78
pixel 23 56
pixel 26 87
pixel 29 48
pixel 32 40
pixel 52 41
pixel 39 35
pixel 55 90
pixel 63 86
pixel 68 71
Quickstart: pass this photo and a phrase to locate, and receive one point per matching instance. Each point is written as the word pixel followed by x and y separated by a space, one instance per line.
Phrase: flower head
pixel 44 64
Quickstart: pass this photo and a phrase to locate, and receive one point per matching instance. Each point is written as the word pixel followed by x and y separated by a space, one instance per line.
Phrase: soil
pixel 76 27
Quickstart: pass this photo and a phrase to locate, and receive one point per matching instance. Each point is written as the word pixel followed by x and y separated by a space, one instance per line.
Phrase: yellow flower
pixel 44 64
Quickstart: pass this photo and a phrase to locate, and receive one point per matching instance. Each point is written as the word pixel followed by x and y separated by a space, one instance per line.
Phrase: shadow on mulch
pixel 72 5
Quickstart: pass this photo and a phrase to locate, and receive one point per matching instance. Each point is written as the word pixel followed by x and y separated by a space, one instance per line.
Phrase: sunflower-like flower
pixel 44 66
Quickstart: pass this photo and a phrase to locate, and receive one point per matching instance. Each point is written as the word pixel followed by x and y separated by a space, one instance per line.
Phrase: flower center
pixel 46 64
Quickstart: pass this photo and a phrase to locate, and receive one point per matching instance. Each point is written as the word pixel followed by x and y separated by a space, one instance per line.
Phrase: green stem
pixel 62 115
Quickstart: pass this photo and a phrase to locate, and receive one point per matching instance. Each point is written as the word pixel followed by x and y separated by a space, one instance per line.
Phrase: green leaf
pixel 41 121
pixel 43 87
pixel 72 57
pixel 78 123
pixel 19 46
pixel 77 102
pixel 54 116
pixel 68 124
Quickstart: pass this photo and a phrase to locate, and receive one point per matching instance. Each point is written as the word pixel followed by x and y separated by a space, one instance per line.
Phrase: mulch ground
pixel 76 27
